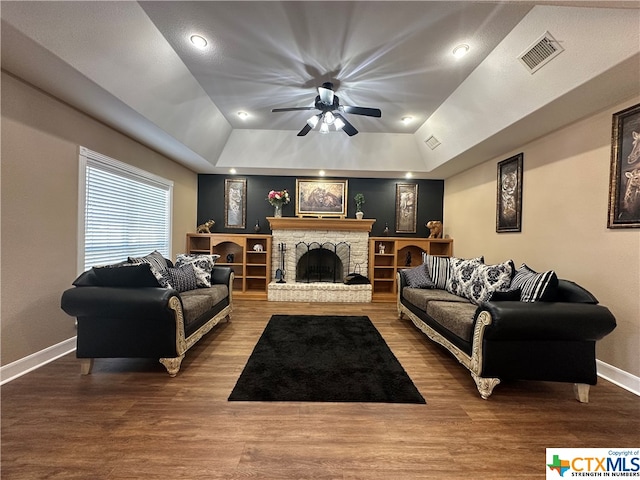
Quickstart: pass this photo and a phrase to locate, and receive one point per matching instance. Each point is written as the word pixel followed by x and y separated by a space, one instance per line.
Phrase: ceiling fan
pixel 330 112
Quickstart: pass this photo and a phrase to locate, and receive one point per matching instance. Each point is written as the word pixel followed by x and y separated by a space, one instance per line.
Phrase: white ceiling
pixel 131 65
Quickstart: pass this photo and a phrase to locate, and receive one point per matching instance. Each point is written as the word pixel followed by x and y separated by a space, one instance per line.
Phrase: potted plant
pixel 359 199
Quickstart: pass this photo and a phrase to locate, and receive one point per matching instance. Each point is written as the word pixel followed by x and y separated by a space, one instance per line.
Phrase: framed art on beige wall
pixel 235 202
pixel 624 182
pixel 509 195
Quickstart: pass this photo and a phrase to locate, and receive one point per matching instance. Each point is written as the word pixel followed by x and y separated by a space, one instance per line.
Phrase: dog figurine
pixel 206 227
pixel 435 229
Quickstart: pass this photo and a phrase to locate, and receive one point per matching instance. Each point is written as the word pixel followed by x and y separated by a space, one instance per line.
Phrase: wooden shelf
pixel 251 268
pixel 387 255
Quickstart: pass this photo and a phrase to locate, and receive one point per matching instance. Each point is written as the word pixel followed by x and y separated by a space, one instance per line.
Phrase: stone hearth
pixel 292 230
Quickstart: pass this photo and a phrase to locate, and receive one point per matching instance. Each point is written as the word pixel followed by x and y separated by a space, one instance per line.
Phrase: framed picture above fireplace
pixel 321 198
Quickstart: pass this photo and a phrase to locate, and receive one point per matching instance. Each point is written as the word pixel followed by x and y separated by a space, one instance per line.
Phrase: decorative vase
pixel 278 211
pixel 359 215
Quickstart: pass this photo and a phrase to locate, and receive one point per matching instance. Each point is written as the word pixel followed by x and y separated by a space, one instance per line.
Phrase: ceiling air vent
pixel 540 53
pixel 432 142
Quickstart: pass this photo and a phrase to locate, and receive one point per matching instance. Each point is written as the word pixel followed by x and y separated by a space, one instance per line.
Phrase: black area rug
pixel 312 358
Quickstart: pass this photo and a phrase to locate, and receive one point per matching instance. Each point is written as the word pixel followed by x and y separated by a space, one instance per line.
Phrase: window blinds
pixel 124 211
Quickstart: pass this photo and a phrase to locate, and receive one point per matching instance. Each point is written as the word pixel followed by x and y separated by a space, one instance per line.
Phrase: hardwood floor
pixel 130 420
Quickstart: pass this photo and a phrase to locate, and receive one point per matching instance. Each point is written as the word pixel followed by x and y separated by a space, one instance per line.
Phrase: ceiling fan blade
pixel 369 112
pixel 326 93
pixel 306 129
pixel 291 109
pixel 348 128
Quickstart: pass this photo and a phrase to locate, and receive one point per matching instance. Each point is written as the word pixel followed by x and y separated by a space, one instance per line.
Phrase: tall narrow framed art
pixel 235 203
pixel 624 183
pixel 509 195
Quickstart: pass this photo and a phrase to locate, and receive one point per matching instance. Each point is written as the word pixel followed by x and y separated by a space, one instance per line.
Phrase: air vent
pixel 432 142
pixel 540 53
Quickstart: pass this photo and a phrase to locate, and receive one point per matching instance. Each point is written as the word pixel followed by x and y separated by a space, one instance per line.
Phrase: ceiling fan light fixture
pixel 329 118
pixel 338 123
pixel 324 128
pixel 198 41
pixel 461 50
pixel 313 121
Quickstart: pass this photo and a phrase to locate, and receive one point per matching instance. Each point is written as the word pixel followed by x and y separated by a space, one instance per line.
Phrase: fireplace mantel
pixel 306 223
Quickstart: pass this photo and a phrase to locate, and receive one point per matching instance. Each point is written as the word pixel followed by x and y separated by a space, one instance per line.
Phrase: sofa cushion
pixel 125 275
pixel 158 264
pixel 535 286
pixel 183 278
pixel 421 297
pixel 196 303
pixel 202 264
pixel 457 317
pixel 438 268
pixel 418 277
pixel 461 274
pixel 486 279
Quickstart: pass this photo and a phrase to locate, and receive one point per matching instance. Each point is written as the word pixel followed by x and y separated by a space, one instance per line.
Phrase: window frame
pixel 89 158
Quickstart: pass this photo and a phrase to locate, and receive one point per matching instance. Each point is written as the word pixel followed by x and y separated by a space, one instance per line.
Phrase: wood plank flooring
pixel 130 420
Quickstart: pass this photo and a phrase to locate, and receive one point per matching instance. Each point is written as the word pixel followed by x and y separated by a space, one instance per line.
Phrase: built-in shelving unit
pixel 248 255
pixel 387 255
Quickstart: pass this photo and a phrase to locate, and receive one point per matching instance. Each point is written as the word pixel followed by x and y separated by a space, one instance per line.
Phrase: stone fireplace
pixel 315 254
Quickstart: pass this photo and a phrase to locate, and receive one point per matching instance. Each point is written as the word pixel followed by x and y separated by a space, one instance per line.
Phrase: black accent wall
pixel 380 201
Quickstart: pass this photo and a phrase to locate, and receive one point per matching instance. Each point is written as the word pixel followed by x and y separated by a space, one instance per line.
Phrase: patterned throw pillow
pixel 183 278
pixel 202 265
pixel 460 274
pixel 158 266
pixel 486 279
pixel 418 277
pixel 438 270
pixel 534 286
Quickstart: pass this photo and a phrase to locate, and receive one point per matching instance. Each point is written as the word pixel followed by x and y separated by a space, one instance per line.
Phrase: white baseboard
pixel 619 377
pixel 25 365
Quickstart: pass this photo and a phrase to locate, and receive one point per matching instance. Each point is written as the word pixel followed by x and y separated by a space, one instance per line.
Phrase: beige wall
pixel 564 224
pixel 40 140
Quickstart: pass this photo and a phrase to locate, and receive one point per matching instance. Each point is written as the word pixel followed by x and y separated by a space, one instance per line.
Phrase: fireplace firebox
pixel 322 262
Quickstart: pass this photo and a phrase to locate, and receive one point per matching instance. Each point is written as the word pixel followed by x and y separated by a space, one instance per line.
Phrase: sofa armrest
pixel 221 275
pixel 117 302
pixel 402 280
pixel 547 321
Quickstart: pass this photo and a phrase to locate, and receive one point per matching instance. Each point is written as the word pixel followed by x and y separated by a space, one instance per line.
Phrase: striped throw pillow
pixel 534 286
pixel 438 268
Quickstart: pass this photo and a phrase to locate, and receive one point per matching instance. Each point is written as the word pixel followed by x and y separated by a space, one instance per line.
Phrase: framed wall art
pixel 321 198
pixel 406 207
pixel 509 195
pixel 235 202
pixel 624 183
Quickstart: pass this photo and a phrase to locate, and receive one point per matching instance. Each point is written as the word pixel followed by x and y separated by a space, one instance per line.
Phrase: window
pixel 124 211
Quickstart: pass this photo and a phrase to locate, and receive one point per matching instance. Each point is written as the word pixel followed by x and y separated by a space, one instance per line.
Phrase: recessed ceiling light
pixel 198 41
pixel 461 50
pixel 407 119
pixel 232 171
pixel 243 115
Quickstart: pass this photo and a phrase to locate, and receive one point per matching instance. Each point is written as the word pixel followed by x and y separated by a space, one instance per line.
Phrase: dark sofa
pixel 123 312
pixel 504 338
